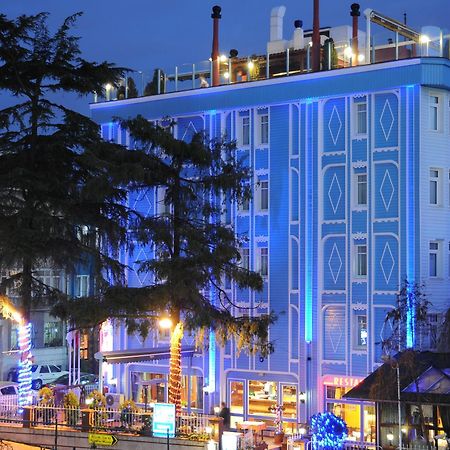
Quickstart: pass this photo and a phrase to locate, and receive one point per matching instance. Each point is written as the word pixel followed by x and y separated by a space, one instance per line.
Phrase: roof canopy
pixel 424 377
pixel 143 354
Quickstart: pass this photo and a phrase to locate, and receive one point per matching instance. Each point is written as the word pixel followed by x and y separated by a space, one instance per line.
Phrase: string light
pixel 328 431
pixel 175 368
pixel 24 377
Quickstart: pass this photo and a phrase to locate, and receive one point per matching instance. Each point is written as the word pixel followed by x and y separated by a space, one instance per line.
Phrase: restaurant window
pixel 289 401
pixel 349 412
pixel 196 392
pixel 262 395
pixel 237 397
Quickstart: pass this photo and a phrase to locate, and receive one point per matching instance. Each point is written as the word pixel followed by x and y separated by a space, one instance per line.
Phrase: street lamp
pixel 390 438
pixel 165 323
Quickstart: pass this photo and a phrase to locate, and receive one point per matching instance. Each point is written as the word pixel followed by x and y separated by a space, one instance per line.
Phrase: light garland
pixel 24 377
pixel 9 311
pixel 328 431
pixel 175 368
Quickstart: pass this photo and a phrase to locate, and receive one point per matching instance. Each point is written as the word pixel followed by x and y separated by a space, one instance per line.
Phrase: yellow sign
pixel 102 439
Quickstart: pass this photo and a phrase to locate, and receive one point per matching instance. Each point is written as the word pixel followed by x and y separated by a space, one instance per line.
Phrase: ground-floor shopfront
pixel 253 396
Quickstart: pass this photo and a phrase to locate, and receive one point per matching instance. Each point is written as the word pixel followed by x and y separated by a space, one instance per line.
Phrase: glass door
pixel 289 402
pixel 237 396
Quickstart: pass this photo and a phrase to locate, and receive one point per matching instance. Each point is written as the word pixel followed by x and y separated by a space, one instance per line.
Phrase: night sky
pixel 145 34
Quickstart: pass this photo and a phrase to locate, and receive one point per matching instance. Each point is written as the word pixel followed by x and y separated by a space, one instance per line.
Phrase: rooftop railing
pixel 234 69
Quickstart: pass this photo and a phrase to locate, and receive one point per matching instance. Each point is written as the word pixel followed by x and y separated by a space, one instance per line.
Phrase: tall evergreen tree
pixel 58 204
pixel 194 251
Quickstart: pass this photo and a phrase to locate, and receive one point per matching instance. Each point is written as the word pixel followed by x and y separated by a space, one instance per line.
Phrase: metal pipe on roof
pixel 355 14
pixel 316 38
pixel 215 45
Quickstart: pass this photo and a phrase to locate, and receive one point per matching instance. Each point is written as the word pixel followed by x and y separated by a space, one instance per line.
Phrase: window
pixel 263 261
pixel 361 117
pixel 244 205
pixel 449 188
pixel 361 261
pixel 361 189
pixel 434 259
pixel 431 334
pixel 434 187
pixel 434 112
pixel 82 286
pixel 360 331
pixel 163 206
pixel 53 334
pixel 263 195
pixel 245 258
pixel 245 130
pixel 264 129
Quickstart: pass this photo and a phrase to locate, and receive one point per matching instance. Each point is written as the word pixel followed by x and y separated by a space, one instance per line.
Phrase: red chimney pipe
pixel 215 76
pixel 316 38
pixel 355 14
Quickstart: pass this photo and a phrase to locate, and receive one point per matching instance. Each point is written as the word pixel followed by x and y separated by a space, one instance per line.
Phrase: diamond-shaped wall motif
pixel 387 119
pixel 335 125
pixel 335 263
pixel 141 276
pixel 335 193
pixel 145 204
pixel 387 262
pixel 335 331
pixel 387 190
pixel 189 129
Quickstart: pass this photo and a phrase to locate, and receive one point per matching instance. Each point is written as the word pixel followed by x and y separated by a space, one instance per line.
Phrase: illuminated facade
pixel 352 195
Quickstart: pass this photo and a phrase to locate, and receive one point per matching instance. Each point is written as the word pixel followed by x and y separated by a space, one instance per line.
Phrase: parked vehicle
pixel 8 388
pixel 63 380
pixel 45 373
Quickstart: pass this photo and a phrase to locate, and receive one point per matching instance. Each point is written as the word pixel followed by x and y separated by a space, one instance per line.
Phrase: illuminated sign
pixel 164 420
pixel 341 381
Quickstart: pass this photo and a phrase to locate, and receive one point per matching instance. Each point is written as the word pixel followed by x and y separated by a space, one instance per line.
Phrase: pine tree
pixel 195 251
pixel 132 89
pixel 59 206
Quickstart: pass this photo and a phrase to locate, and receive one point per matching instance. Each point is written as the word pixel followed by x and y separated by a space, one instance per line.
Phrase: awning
pixel 143 354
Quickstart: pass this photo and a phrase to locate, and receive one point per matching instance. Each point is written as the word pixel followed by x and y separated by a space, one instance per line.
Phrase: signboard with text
pixel 102 439
pixel 164 420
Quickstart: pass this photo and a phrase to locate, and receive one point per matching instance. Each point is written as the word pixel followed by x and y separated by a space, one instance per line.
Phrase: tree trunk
pixel 175 367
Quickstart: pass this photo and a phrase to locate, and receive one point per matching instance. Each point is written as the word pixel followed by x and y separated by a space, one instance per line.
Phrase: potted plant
pixel 71 408
pixel 97 401
pixel 46 405
pixel 127 411
pixel 279 433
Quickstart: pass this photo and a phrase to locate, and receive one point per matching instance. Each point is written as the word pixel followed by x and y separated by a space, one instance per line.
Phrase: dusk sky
pixel 145 34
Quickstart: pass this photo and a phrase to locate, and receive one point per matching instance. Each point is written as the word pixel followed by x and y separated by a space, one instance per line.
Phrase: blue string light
pixel 24 377
pixel 328 431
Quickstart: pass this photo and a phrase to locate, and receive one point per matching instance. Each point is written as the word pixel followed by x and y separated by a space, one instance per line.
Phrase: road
pixel 16 446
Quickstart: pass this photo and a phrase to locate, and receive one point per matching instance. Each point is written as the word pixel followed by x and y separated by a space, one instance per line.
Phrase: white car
pixel 8 388
pixel 44 373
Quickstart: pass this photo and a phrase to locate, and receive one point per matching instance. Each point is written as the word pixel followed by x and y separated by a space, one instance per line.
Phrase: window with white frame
pixel 49 278
pixel 244 205
pixel 263 195
pixel 53 334
pixel 360 331
pixel 434 187
pixel 263 129
pixel 244 130
pixel 449 259
pixel 81 285
pixel 163 206
pixel 434 112
pixel 360 263
pixel 245 258
pixel 448 190
pixel 263 261
pixel 361 189
pixel 433 258
pixel 360 116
